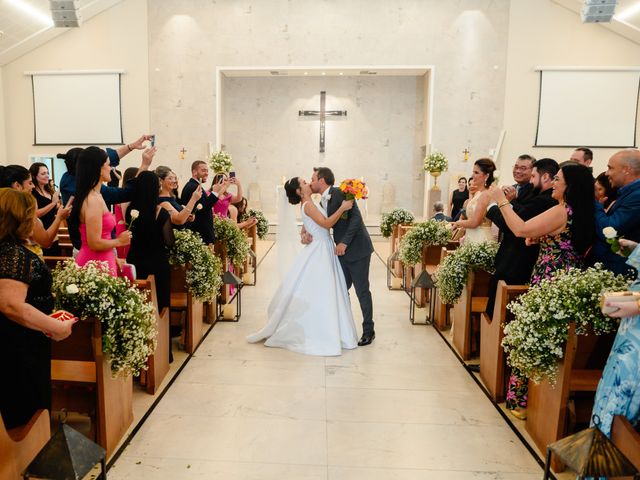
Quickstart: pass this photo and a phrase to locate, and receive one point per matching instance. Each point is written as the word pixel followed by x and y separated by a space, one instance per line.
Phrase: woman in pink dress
pixel 91 212
pixel 225 198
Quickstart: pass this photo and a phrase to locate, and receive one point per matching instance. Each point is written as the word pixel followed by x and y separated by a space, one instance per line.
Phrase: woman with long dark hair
pixel 91 212
pixel 47 200
pixel 606 193
pixel 180 214
pixel 565 234
pixel 458 197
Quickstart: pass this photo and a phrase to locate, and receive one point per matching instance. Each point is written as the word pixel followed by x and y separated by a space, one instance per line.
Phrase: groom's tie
pixel 323 202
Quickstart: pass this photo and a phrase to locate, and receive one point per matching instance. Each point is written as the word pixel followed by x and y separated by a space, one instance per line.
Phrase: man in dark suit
pixel 203 221
pixel 353 246
pixel 439 215
pixel 515 260
pixel 623 171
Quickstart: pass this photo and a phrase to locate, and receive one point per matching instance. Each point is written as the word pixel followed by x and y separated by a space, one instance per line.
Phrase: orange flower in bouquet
pixel 353 189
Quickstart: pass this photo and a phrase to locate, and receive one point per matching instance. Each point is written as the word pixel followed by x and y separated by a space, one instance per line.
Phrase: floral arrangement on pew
pixel 395 217
pixel 430 232
pixel 127 316
pixel 220 162
pixel 233 238
pixel 204 275
pixel 534 340
pixel 262 226
pixel 451 275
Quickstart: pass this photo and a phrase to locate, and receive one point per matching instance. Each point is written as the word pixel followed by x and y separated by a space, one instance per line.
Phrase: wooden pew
pixel 184 303
pixel 472 302
pixel 403 271
pixel 64 241
pixel 51 261
pixel 158 362
pixel 442 317
pixel 578 371
pixel 82 382
pixel 249 269
pixel 19 446
pixel 493 365
pixel 627 439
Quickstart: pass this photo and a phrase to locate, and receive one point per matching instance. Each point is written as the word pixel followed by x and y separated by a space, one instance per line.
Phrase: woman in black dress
pixel 47 200
pixel 152 234
pixel 180 214
pixel 458 197
pixel 25 305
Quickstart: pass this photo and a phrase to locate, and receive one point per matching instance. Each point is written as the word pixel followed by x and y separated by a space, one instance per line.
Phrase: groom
pixel 353 246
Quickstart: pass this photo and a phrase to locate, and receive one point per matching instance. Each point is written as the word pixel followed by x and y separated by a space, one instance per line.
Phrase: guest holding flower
pixel 91 212
pixel 25 302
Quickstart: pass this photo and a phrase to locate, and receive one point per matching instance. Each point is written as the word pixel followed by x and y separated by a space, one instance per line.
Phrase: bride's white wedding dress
pixel 482 233
pixel 310 312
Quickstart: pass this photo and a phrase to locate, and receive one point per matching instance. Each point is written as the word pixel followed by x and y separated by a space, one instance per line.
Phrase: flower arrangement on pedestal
pixel 451 276
pixel 534 340
pixel 204 275
pixel 263 223
pixel 435 163
pixel 430 232
pixel 127 317
pixel 395 217
pixel 220 162
pixel 235 241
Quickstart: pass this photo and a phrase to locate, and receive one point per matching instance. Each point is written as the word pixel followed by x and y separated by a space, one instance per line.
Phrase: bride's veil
pixel 287 236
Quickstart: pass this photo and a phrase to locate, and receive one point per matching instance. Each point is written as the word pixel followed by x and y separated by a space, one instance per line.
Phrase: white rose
pixel 134 214
pixel 72 289
pixel 199 206
pixel 609 232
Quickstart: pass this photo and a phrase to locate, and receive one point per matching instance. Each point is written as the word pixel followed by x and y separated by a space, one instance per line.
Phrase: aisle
pixel 401 408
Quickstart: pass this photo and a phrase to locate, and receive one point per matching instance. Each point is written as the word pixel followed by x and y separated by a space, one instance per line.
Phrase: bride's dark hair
pixel 290 187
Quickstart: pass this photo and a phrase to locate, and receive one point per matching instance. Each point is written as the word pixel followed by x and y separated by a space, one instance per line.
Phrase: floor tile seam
pixel 474 393
pixel 226 384
pixel 435 424
pixel 209 460
pixel 401 389
pixel 447 470
pixel 247 417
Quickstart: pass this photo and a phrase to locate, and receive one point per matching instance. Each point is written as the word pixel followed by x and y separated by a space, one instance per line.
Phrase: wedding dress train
pixel 310 312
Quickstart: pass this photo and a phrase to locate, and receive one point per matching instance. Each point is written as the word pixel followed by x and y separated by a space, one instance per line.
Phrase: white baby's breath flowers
pixel 431 232
pixel 395 217
pixel 72 289
pixel 609 232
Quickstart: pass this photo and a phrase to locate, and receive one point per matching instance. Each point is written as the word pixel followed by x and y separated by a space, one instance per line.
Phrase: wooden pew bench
pixel 19 446
pixel 466 312
pixel 189 309
pixel 493 364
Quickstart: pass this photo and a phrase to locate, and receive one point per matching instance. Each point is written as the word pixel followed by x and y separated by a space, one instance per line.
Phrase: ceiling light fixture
pixel 629 12
pixel 324 73
pixel 33 12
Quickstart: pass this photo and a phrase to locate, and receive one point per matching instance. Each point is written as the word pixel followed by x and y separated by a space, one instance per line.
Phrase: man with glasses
pixel 522 175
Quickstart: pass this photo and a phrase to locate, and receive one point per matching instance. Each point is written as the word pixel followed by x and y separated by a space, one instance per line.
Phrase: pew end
pixel 627 439
pixel 20 445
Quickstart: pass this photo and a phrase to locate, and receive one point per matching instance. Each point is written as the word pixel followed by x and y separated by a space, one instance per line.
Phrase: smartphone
pixel 232 174
pixel 153 140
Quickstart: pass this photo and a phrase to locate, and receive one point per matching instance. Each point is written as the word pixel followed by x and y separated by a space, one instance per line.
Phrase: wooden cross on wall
pixel 322 113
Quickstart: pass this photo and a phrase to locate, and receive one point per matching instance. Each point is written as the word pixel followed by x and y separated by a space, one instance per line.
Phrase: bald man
pixel 623 171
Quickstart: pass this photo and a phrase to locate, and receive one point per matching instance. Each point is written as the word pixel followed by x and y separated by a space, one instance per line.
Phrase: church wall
pixel 542 33
pixel 465 42
pixel 115 39
pixel 3 139
pixel 378 140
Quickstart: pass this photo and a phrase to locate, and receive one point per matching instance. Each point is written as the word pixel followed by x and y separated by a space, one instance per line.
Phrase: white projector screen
pixel 77 109
pixel 588 108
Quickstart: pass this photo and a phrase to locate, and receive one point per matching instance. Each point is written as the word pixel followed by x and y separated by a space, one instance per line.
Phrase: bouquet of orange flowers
pixel 353 190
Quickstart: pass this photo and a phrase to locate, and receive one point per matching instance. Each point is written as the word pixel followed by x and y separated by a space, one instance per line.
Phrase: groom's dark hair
pixel 326 173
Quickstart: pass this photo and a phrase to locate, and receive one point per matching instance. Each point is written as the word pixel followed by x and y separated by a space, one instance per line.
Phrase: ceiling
pixel 22 33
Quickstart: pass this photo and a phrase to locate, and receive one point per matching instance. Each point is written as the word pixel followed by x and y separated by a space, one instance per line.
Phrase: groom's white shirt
pixel 325 197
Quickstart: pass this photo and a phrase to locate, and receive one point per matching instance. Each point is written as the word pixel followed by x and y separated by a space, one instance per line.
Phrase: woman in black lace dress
pixel 458 197
pixel 25 302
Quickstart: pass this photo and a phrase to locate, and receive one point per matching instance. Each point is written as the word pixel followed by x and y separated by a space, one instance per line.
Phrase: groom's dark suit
pixel 355 262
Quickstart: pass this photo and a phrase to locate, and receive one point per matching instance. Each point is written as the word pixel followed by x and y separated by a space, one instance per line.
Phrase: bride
pixel 310 312
pixel 477 227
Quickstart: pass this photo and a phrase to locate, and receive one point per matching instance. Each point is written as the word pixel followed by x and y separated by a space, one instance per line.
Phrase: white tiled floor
pixel 401 408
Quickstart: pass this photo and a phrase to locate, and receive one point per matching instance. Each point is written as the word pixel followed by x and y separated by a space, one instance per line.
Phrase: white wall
pixel 465 41
pixel 380 138
pixel 3 141
pixel 114 39
pixel 542 33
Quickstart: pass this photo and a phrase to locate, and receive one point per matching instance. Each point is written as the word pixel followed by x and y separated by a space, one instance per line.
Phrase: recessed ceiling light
pixel 306 73
pixel 340 73
pixel 32 11
pixel 324 73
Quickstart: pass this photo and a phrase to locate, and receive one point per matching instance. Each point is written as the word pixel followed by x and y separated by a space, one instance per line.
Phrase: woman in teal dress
pixel 619 388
